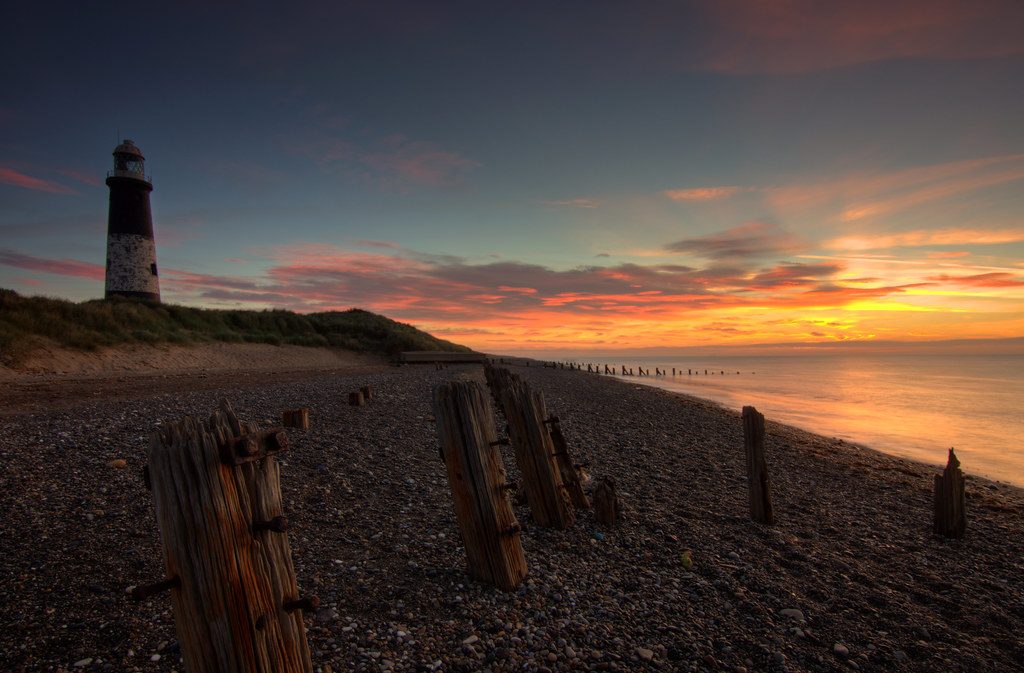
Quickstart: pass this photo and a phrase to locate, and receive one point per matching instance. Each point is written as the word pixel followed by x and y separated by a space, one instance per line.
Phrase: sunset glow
pixel 858 179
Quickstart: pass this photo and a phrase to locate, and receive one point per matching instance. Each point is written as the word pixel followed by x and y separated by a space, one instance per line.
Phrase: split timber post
pixel 295 418
pixel 567 469
pixel 607 506
pixel 469 445
pixel 356 398
pixel 545 491
pixel 950 500
pixel 367 393
pixel 757 467
pixel 217 495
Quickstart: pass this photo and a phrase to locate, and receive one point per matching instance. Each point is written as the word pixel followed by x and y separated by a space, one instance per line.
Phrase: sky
pixel 537 176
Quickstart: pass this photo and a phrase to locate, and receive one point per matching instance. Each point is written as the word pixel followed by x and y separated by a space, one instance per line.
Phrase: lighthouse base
pixel 123 294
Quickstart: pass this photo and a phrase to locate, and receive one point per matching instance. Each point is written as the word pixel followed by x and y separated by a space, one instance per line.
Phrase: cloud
pixel 574 203
pixel 80 176
pixel 994 279
pixel 923 237
pixel 393 160
pixel 703 193
pixel 418 161
pixel 751 239
pixel 865 196
pixel 508 304
pixel 798 36
pixel 62 267
pixel 10 176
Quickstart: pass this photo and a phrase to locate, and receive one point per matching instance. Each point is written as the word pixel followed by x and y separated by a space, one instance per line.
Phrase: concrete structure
pixel 131 249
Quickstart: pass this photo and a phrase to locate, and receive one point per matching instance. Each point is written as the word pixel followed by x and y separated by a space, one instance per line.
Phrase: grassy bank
pixel 29 322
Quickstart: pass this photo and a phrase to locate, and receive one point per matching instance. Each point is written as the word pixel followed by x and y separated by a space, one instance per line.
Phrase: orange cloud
pixel 702 193
pixel 922 237
pixel 507 305
pixel 867 195
pixel 574 203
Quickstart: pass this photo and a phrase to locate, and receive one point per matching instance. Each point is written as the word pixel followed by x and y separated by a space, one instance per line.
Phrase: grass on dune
pixel 29 322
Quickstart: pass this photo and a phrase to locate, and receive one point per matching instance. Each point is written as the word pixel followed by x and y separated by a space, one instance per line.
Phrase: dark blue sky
pixel 506 141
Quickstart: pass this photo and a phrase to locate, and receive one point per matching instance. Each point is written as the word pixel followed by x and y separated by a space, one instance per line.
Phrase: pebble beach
pixel 851 577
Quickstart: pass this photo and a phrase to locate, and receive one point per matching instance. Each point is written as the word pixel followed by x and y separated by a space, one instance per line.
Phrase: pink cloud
pixel 391 161
pixel 61 267
pixel 80 176
pixel 766 36
pixel 12 177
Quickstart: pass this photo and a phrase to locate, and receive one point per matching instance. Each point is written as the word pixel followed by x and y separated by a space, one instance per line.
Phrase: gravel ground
pixel 850 577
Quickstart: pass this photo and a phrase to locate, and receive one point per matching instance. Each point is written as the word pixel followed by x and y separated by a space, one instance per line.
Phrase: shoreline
pixel 852 559
pixel 873 407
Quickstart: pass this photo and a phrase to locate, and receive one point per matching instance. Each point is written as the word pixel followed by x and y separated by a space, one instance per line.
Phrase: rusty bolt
pixel 146 590
pixel 278 524
pixel 277 441
pixel 307 604
pixel 513 529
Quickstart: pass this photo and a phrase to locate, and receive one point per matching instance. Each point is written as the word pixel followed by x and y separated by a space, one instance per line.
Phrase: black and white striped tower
pixel 131 249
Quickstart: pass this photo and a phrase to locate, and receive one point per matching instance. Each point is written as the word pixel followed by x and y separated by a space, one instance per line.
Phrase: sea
pixel 909 405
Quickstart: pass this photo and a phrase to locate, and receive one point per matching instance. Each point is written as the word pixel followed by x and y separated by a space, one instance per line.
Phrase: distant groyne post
pixel 761 509
pixel 607 507
pixel 296 418
pixel 950 500
pixel 217 496
pixel 476 475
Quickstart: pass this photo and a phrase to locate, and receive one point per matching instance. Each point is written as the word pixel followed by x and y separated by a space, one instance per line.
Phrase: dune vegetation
pixel 27 323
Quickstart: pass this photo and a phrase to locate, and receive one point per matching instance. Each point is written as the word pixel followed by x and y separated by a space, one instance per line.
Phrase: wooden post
pixel 534 450
pixel 469 444
pixel 757 467
pixel 367 393
pixel 217 496
pixel 356 398
pixel 950 500
pixel 606 502
pixel 295 418
pixel 566 468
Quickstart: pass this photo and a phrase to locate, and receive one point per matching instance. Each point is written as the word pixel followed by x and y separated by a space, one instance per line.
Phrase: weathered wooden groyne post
pixel 469 445
pixel 607 508
pixel 950 500
pixel 569 471
pixel 217 496
pixel 761 509
pixel 534 449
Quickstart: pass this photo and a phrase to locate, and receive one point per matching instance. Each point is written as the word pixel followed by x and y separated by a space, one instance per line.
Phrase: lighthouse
pixel 131 249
